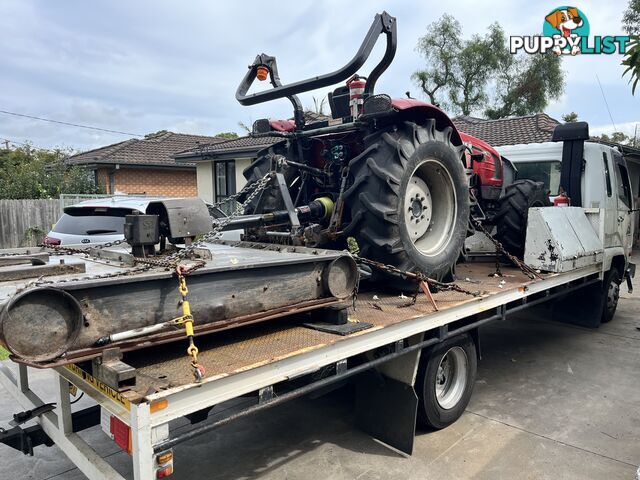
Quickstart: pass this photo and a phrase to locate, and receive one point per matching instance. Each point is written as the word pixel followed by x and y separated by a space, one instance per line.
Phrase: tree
pixel 631 24
pixel 228 135
pixel 631 18
pixel 525 84
pixel 244 127
pixel 440 48
pixel 570 117
pixel 318 106
pixel 27 172
pixel 477 60
pixel 466 74
pixel 618 137
pixel 632 62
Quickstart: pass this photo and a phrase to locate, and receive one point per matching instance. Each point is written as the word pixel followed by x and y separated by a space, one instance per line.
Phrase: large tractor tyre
pixel 409 200
pixel 513 212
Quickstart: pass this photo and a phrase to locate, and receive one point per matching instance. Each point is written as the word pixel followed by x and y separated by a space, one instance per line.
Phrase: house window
pixel 225 181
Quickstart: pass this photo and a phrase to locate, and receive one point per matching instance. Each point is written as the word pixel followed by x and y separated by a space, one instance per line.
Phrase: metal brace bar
pixel 288 203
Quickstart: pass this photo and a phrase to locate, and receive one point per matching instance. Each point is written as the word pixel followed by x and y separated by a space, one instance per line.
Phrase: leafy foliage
pixel 631 18
pixel 440 48
pixel 618 137
pixel 526 84
pixel 228 135
pixel 469 75
pixel 27 172
pixel 570 117
pixel 632 62
pixel 318 105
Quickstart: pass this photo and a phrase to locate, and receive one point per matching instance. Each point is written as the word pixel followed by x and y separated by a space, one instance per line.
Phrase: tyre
pixel 611 294
pixel 445 380
pixel 513 212
pixel 409 200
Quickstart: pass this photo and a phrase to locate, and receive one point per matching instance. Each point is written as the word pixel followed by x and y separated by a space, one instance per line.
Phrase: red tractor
pixel 395 174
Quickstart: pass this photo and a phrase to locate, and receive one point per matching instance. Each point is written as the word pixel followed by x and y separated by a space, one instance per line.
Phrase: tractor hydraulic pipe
pixel 318 209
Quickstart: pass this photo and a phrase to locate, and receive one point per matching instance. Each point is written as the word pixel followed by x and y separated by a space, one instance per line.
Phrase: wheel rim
pixel 430 207
pixel 613 293
pixel 451 377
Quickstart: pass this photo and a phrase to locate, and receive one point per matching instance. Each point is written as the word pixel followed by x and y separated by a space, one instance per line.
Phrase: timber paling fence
pixel 24 223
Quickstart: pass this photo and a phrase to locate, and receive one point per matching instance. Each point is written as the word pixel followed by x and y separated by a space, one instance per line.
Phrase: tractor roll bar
pixel 382 23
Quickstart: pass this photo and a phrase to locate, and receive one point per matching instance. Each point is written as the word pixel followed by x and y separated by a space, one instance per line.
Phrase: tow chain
pixel 417 277
pixel 187 320
pixel 255 188
pixel 524 268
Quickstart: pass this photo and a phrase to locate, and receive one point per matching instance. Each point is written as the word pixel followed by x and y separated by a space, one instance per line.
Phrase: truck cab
pixel 604 183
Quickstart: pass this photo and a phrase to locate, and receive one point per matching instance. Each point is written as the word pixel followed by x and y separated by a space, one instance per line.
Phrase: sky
pixel 144 66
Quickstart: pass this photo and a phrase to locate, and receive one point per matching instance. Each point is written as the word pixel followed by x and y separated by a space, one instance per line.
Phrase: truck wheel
pixel 445 382
pixel 611 294
pixel 409 200
pixel 513 212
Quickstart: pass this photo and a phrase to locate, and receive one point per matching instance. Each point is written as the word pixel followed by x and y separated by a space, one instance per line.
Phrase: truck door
pixel 625 202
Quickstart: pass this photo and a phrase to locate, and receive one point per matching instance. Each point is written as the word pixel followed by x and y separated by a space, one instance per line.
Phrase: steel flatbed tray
pixel 232 355
pixel 280 360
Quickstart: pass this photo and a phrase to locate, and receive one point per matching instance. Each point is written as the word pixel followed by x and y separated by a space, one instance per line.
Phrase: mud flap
pixel 582 307
pixel 386 409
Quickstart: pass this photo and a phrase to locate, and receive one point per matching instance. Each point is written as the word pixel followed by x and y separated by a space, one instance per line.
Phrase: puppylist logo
pixel 565 31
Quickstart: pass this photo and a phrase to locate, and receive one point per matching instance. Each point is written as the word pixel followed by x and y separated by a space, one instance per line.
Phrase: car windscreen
pixel 92 221
pixel 545 172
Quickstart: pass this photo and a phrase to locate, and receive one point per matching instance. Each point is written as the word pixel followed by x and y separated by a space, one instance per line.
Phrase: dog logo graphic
pixel 565 31
pixel 569 23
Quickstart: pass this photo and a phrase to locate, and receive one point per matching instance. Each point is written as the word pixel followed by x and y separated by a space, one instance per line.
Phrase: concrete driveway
pixel 552 401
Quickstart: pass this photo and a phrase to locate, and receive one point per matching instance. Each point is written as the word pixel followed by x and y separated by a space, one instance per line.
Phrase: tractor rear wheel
pixel 513 213
pixel 409 200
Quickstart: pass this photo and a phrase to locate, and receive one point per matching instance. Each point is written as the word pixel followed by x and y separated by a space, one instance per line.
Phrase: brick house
pixel 145 166
pixel 219 165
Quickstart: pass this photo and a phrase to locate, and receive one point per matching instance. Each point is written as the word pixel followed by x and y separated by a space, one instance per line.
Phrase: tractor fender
pixel 417 110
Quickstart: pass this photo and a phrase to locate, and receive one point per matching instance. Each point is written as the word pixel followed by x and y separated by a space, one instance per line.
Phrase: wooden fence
pixel 24 223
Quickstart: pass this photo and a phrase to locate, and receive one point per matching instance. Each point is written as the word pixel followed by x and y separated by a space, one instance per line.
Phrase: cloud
pixel 629 128
pixel 150 65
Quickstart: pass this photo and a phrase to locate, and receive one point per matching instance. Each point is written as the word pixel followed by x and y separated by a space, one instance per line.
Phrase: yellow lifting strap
pixel 187 320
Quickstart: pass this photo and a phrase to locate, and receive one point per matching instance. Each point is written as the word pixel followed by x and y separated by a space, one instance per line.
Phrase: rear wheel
pixel 445 382
pixel 409 200
pixel 611 294
pixel 513 213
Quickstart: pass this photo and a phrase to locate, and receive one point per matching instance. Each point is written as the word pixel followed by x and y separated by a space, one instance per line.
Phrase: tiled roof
pixel 509 131
pixel 155 150
pixel 247 146
pixel 242 146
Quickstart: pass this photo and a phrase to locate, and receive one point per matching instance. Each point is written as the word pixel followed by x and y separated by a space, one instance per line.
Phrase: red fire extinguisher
pixel 562 200
pixel 356 86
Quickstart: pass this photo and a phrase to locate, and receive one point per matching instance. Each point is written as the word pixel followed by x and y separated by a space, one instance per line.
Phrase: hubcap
pixel 451 377
pixel 430 207
pixel 613 293
pixel 417 214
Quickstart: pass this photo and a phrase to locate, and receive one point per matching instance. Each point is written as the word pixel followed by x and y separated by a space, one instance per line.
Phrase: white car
pixel 102 220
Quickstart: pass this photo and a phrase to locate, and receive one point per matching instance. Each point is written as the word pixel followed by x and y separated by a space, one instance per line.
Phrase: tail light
pixel 51 241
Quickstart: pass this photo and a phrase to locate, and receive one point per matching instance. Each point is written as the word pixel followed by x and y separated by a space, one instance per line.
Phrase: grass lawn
pixel 3 354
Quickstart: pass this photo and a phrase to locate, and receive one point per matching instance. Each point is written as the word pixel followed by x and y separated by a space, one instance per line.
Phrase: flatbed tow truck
pixel 139 392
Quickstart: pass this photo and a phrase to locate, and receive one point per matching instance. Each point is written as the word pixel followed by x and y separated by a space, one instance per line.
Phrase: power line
pixel 615 129
pixel 70 124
